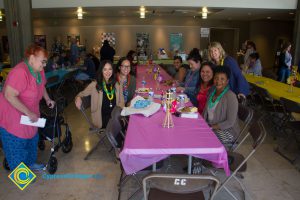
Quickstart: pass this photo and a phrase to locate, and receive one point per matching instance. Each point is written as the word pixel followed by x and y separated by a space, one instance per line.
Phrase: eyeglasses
pixel 125 66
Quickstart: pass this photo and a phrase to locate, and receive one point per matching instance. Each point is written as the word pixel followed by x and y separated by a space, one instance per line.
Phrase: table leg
pixel 190 164
pixel 154 167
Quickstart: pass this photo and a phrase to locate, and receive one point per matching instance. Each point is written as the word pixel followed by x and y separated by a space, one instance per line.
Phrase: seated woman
pixel 221 108
pixel 205 83
pixel 254 65
pixel 189 86
pixel 52 63
pixel 237 82
pixel 127 82
pixel 180 70
pixel 105 95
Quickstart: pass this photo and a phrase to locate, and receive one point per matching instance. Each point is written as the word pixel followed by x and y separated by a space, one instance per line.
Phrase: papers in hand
pixel 26 121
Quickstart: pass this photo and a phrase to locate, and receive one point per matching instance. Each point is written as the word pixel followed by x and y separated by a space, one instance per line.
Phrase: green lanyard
pixel 36 76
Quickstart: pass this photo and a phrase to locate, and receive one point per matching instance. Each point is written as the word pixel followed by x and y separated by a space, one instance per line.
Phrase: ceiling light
pixel 204 10
pixel 0 18
pixel 204 15
pixel 79 10
pixel 142 9
pixel 291 13
pixel 142 15
pixel 268 17
pixel 80 15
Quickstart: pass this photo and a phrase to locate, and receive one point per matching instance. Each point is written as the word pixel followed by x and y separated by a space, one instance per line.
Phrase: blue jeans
pixel 283 74
pixel 18 150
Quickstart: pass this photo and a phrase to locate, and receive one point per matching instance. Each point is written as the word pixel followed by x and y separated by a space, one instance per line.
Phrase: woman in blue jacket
pixel 237 82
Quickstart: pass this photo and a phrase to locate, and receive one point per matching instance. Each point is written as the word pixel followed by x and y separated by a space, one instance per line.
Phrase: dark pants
pixel 19 150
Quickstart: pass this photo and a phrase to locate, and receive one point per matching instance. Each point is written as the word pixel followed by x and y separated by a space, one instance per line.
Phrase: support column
pixel 296 36
pixel 19 27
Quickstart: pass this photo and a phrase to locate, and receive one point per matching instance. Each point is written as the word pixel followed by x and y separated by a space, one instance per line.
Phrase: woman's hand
pixel 78 102
pixel 180 89
pixel 50 103
pixel 32 116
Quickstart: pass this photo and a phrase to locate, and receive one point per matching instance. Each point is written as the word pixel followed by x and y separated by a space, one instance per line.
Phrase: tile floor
pixel 268 176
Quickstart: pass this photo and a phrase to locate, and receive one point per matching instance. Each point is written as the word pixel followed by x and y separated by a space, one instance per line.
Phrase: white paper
pixel 26 121
pixel 189 115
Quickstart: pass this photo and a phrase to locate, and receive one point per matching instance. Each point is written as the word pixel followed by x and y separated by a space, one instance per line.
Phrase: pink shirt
pixel 30 94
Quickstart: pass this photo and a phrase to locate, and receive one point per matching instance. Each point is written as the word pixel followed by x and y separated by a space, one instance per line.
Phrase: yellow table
pixel 275 88
pixel 4 72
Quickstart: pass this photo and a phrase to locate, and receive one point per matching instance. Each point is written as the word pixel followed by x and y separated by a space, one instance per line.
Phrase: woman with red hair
pixel 22 92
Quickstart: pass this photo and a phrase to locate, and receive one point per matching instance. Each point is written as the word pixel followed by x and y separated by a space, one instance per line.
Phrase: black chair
pixel 86 103
pixel 52 82
pixel 290 124
pixel 179 186
pixel 245 114
pixel 238 162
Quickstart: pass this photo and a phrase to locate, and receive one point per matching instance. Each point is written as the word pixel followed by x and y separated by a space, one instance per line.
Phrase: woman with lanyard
pixel 221 108
pixel 22 92
pixel 105 95
pixel 237 82
pixel 189 86
pixel 126 81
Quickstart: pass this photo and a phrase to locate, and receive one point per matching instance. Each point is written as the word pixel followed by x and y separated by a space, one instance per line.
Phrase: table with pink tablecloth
pixel 147 142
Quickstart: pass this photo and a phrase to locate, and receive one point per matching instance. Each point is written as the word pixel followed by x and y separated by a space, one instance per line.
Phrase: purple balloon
pixel 154 69
pixel 159 78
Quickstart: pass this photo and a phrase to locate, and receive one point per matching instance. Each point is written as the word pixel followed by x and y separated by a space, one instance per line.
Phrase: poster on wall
pixel 176 42
pixel 77 37
pixel 40 40
pixel 142 44
pixel 110 37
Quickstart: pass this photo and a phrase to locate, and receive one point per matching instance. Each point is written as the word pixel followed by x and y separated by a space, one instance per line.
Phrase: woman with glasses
pixel 22 92
pixel 127 82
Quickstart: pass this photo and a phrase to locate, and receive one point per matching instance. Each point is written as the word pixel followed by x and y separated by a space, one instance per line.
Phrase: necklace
pixel 110 95
pixel 212 103
pixel 36 76
pixel 222 62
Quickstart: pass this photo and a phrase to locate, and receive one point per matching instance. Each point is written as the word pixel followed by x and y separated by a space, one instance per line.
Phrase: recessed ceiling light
pixel 268 17
pixel 204 9
pixel 291 13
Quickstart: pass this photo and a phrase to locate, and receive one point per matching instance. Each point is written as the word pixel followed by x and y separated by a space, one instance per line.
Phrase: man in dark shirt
pixel 107 52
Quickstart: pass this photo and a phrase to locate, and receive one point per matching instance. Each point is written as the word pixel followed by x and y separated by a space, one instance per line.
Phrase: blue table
pixel 60 73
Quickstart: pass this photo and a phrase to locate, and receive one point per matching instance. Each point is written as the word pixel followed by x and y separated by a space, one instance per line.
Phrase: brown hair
pixel 34 49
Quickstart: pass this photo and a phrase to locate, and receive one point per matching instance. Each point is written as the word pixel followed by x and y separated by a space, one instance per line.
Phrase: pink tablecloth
pixel 148 142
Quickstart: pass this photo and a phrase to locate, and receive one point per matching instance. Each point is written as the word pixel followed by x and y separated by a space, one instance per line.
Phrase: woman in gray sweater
pixel 221 108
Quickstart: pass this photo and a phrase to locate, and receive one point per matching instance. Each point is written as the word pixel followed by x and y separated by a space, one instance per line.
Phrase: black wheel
pixel 52 165
pixel 67 144
pixel 42 145
pixel 5 164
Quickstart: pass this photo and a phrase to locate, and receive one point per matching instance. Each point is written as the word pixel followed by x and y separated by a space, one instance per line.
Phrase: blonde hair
pixel 219 47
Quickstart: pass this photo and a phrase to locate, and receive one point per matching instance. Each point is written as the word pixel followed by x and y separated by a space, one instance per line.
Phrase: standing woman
pixel 189 86
pixel 105 95
pixel 285 62
pixel 237 82
pixel 205 83
pixel 222 108
pixel 22 92
pixel 126 81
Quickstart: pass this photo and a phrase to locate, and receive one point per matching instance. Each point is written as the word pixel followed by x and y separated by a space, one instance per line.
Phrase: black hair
pixel 252 44
pixel 194 55
pixel 178 58
pixel 120 63
pixel 100 78
pixel 222 70
pixel 210 64
pixel 254 55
